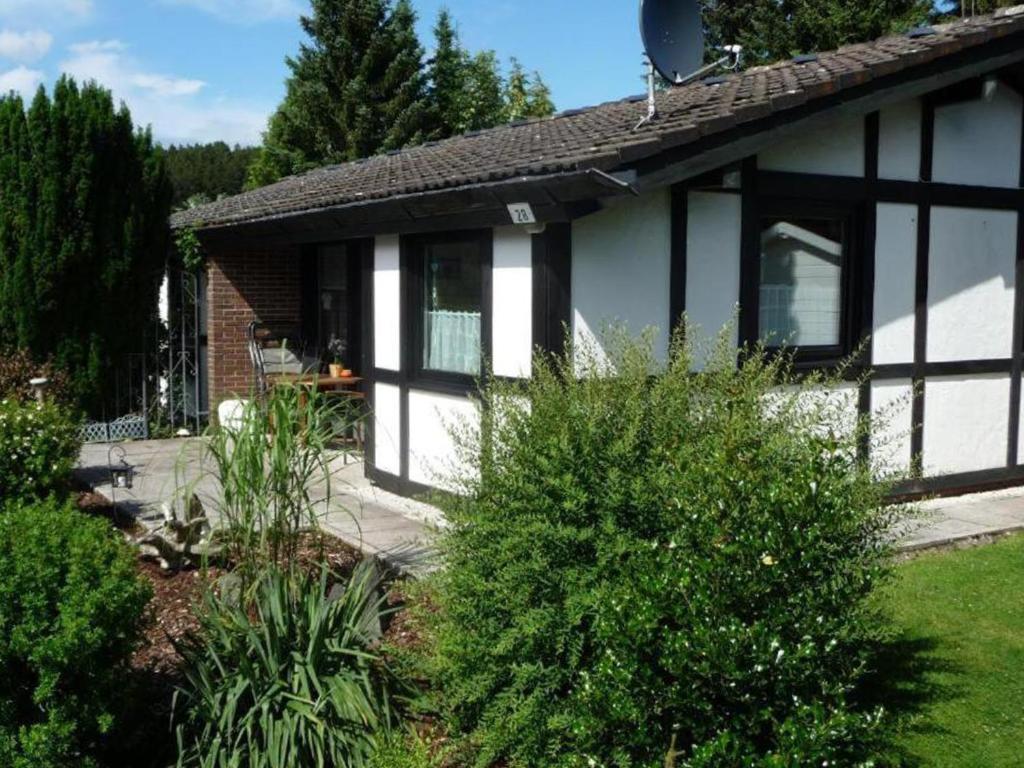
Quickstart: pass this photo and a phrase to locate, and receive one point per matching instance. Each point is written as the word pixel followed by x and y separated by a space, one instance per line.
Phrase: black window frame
pixel 414 248
pixel 851 276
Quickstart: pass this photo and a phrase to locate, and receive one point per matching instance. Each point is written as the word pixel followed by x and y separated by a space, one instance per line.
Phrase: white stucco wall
pixel 892 412
pixel 621 268
pixel 895 275
pixel 836 149
pixel 432 452
pixel 387 415
pixel 512 286
pixel 899 141
pixel 970 284
pixel 712 263
pixel 978 141
pixel 965 423
pixel 387 310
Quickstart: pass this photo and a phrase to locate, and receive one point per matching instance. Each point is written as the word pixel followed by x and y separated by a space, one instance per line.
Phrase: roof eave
pixel 554 197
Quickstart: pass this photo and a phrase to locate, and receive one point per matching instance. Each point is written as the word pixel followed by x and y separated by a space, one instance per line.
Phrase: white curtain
pixel 800 314
pixel 453 342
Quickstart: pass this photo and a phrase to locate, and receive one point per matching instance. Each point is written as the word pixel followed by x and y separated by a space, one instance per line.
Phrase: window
pixel 338 300
pixel 802 294
pixel 451 271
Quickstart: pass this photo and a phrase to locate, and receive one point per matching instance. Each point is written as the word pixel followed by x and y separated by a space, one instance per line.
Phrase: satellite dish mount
pixel 673 35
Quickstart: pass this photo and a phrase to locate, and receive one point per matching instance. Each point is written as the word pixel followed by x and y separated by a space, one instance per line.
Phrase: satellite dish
pixel 673 34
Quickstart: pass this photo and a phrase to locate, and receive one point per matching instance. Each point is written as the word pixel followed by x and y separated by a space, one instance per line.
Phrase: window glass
pixel 336 308
pixel 453 289
pixel 801 281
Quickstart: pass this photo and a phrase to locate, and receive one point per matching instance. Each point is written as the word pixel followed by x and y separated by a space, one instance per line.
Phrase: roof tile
pixel 601 137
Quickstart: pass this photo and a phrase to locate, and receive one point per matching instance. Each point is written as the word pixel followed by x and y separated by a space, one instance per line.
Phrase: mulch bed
pixel 155 668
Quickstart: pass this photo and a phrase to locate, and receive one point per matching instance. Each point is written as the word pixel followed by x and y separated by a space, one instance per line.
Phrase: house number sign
pixel 522 213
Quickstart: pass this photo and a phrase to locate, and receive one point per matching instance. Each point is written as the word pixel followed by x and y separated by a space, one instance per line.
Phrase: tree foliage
pixel 770 30
pixel 957 8
pixel 469 92
pixel 356 87
pixel 361 86
pixel 207 171
pixel 84 200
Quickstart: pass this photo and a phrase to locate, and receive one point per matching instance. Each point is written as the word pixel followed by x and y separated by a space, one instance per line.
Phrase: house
pixel 874 192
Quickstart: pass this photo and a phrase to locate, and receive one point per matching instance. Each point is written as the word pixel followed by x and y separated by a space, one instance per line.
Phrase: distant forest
pixel 200 173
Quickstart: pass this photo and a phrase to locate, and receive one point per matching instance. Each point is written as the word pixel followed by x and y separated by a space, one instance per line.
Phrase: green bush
pixel 660 570
pixel 292 679
pixel 39 447
pixel 71 609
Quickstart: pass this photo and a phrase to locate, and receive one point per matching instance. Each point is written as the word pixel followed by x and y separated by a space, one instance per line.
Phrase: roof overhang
pixel 553 198
pixel 729 147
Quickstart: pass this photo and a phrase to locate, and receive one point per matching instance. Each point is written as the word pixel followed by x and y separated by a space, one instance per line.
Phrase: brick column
pixel 246 284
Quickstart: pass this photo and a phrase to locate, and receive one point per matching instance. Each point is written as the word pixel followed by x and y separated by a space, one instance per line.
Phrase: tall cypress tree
pixel 83 232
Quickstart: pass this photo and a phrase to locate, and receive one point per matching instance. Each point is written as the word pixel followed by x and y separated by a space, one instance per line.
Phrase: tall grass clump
pixel 292 678
pixel 272 463
pixel 651 566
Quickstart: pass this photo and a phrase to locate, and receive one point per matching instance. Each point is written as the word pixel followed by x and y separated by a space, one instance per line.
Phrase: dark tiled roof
pixel 602 137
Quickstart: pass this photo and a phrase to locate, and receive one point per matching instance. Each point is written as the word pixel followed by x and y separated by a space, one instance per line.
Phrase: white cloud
pixel 63 10
pixel 20 80
pixel 245 11
pixel 25 46
pixel 167 86
pixel 97 46
pixel 177 108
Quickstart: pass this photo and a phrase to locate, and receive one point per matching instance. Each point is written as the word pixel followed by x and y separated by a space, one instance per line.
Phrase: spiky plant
pixel 293 678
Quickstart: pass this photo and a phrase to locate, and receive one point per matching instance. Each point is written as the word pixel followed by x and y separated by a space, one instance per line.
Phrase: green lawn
pixel 955 676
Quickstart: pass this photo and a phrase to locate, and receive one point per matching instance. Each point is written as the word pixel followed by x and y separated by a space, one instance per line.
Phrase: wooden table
pixel 311 381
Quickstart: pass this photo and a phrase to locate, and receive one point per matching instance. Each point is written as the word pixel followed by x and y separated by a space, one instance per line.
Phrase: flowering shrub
pixel 39 446
pixel 668 570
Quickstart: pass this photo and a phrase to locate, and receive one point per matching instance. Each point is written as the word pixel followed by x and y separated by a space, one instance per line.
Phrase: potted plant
pixel 336 350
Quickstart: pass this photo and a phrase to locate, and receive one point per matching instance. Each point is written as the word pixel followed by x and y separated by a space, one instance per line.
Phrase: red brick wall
pixel 246 284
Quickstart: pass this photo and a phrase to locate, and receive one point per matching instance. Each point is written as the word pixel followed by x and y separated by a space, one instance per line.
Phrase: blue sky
pixel 200 70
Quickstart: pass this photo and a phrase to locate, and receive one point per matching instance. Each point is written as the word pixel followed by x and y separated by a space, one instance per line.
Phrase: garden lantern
pixel 122 474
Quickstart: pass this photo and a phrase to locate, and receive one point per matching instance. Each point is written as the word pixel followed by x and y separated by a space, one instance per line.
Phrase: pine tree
pixel 485 98
pixel 405 110
pixel 526 95
pixel 356 88
pixel 770 30
pixel 447 73
pixel 359 86
pixel 958 8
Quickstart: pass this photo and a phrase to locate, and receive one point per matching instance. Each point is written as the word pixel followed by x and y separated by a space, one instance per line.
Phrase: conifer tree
pixel 447 72
pixel 770 30
pixel 83 232
pixel 526 95
pixel 356 88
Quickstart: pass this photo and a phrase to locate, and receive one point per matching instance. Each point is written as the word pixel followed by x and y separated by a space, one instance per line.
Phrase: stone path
pixel 399 530
pixel 962 518
pixel 379 523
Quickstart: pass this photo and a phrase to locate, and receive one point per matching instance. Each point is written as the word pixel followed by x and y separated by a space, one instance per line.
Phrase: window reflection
pixel 801 281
